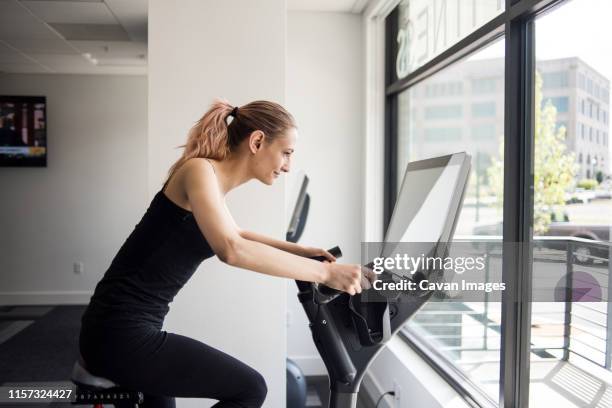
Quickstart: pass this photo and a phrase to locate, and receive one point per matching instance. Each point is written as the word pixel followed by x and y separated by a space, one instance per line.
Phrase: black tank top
pixel 152 265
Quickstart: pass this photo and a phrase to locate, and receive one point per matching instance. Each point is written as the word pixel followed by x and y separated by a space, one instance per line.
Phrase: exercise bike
pixel 349 331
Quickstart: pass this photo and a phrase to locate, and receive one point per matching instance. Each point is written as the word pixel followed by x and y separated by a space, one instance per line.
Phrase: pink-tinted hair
pixel 213 138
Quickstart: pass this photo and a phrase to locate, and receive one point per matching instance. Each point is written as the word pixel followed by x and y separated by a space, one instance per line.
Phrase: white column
pixel 199 50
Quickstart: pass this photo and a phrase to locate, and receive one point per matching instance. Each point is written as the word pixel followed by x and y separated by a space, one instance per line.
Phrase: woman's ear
pixel 256 140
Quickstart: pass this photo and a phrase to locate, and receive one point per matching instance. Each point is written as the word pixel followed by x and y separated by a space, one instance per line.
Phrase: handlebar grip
pixel 324 294
pixel 335 251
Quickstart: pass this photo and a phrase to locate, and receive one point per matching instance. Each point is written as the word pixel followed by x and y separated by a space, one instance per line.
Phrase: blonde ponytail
pixel 212 138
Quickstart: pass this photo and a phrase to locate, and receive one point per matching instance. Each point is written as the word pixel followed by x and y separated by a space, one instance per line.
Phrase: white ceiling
pixel 93 36
pixel 73 36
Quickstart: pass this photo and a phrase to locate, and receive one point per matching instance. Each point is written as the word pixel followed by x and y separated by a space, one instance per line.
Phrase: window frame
pixel 516 25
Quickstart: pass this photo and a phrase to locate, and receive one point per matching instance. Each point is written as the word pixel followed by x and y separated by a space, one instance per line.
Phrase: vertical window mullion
pixel 518 212
pixel 391 120
pixel 391 154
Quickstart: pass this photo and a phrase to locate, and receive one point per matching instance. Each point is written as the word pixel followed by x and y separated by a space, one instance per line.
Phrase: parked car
pixel 603 194
pixel 606 184
pixel 584 249
pixel 580 195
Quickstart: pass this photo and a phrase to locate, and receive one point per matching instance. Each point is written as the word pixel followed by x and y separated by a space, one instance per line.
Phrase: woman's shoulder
pixel 190 173
pixel 196 165
pixel 197 172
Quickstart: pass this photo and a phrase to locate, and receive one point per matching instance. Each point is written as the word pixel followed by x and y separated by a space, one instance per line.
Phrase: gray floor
pixel 28 333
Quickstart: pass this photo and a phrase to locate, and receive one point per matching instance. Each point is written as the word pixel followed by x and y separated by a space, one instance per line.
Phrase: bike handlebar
pixel 324 294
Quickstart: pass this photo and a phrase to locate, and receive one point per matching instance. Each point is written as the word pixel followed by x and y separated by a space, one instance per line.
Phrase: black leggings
pixel 165 365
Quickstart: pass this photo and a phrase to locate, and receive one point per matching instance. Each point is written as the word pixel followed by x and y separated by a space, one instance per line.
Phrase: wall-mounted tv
pixel 23 131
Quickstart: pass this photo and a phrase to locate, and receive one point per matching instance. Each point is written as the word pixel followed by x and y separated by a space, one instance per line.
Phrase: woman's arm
pixel 276 243
pixel 218 227
pixel 286 246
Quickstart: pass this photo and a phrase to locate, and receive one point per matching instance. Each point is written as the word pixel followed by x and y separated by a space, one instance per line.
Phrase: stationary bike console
pixel 349 331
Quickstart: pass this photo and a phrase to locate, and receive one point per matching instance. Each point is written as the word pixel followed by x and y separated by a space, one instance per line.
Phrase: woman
pixel 187 221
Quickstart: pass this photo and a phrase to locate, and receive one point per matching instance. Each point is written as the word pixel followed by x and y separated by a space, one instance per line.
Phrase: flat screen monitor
pixel 428 203
pixel 300 210
pixel 23 131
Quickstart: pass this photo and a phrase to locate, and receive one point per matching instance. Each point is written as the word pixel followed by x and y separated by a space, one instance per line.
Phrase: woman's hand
pixel 368 277
pixel 351 279
pixel 310 252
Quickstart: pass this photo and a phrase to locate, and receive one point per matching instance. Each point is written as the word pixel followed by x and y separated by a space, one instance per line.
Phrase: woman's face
pixel 272 157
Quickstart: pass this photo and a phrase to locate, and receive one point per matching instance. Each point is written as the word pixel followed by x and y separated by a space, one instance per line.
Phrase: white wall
pixel 236 50
pixel 399 368
pixel 325 94
pixel 82 206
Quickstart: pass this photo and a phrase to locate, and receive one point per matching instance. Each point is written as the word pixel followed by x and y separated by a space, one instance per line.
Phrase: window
pixel 457 329
pixel 444 89
pixel 483 85
pixel 560 102
pixel 570 334
pixel 555 80
pixel 425 28
pixel 455 88
pixel 443 112
pixel 465 337
pixel 483 109
pixel 581 81
pixel 442 134
pixel 590 86
pixel 484 132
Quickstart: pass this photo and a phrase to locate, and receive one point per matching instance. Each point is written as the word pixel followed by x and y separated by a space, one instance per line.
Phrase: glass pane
pixel 570 338
pixel 425 28
pixel 461 109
